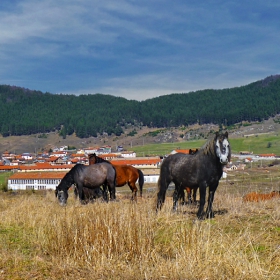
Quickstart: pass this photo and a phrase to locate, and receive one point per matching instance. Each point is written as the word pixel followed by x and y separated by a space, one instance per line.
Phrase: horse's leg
pixel 105 192
pixel 202 191
pixel 81 194
pixel 209 211
pixel 178 192
pixel 140 181
pixel 162 186
pixel 112 188
pixel 134 190
pixel 182 197
pixel 194 194
pixel 189 191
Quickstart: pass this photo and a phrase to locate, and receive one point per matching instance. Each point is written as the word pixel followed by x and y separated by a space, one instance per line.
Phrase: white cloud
pixel 137 49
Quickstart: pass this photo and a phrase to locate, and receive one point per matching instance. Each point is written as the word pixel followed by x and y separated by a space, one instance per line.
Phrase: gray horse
pixel 86 176
pixel 200 170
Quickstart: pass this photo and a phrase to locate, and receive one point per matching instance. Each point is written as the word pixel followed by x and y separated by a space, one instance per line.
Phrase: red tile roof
pixel 136 161
pixel 45 165
pixel 111 155
pixel 267 155
pixel 8 167
pixel 78 155
pixel 37 175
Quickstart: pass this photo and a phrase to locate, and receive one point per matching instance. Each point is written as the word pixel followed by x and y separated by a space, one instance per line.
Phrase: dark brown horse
pixel 202 170
pixel 125 174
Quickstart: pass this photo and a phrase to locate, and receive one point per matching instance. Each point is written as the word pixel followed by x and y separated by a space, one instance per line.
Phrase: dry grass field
pixel 123 240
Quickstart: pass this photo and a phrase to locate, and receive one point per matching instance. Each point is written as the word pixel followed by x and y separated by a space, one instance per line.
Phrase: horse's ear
pixel 226 134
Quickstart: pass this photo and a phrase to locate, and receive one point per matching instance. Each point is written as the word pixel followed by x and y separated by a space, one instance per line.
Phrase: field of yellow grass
pixel 39 239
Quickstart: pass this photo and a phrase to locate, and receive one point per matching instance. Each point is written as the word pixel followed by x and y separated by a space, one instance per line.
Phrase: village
pixel 45 170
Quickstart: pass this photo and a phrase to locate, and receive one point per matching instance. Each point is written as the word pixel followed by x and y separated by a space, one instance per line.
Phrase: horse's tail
pixel 162 187
pixel 113 192
pixel 141 181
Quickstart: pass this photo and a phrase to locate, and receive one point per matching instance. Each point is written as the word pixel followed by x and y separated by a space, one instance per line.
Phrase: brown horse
pixel 254 196
pixel 125 174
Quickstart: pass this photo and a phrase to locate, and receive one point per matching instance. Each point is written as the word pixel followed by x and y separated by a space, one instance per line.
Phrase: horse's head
pixel 222 147
pixel 62 195
pixel 92 158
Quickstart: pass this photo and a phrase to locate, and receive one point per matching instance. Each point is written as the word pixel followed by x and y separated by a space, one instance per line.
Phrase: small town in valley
pixel 44 171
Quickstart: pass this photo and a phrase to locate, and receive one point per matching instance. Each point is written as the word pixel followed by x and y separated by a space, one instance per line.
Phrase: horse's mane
pixel 76 168
pixel 97 159
pixel 209 147
pixel 69 176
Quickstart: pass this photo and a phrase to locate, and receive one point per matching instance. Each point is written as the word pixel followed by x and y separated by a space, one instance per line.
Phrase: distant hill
pixel 27 112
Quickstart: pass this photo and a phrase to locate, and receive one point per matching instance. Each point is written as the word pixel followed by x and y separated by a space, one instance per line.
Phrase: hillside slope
pixel 144 136
pixel 26 112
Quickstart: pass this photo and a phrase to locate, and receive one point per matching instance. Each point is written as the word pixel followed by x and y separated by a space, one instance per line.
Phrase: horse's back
pixel 125 173
pixel 175 166
pixel 100 167
pixel 190 169
pixel 97 174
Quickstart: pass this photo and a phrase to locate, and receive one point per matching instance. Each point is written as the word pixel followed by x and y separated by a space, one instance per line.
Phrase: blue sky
pixel 137 49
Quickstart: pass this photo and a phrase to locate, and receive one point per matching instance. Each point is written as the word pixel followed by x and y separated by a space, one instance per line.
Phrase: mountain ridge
pixel 27 112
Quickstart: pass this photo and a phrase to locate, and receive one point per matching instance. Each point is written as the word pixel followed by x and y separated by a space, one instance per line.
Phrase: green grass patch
pixel 262 144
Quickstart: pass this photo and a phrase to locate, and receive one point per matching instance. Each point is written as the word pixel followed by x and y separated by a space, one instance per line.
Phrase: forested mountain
pixel 24 112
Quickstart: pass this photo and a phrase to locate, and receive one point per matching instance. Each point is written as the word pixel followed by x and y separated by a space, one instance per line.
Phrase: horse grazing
pixel 125 174
pixel 201 170
pixel 83 176
pixel 256 197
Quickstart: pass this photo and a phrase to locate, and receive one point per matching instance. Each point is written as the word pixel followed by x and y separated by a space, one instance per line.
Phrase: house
pixel 79 158
pixel 27 156
pixel 104 150
pixel 35 180
pixel 109 156
pixel 141 163
pixel 59 154
pixel 248 159
pixel 127 154
pixel 151 178
pixel 45 166
pixel 8 156
pixel 7 168
pixel 267 155
pixel 88 151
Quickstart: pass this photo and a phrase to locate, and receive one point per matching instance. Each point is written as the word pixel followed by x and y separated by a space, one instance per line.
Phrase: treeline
pixel 25 112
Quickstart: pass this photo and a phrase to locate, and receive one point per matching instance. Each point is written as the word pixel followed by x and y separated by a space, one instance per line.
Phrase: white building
pixel 128 154
pixel 35 180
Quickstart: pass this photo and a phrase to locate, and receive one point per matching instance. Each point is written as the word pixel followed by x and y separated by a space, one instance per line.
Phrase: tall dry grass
pixel 122 240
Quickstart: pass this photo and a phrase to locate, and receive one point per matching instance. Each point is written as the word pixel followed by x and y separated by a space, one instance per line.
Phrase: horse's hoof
pixel 201 216
pixel 210 215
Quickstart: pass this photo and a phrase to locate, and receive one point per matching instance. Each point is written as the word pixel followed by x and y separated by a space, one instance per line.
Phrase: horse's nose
pixel 223 161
